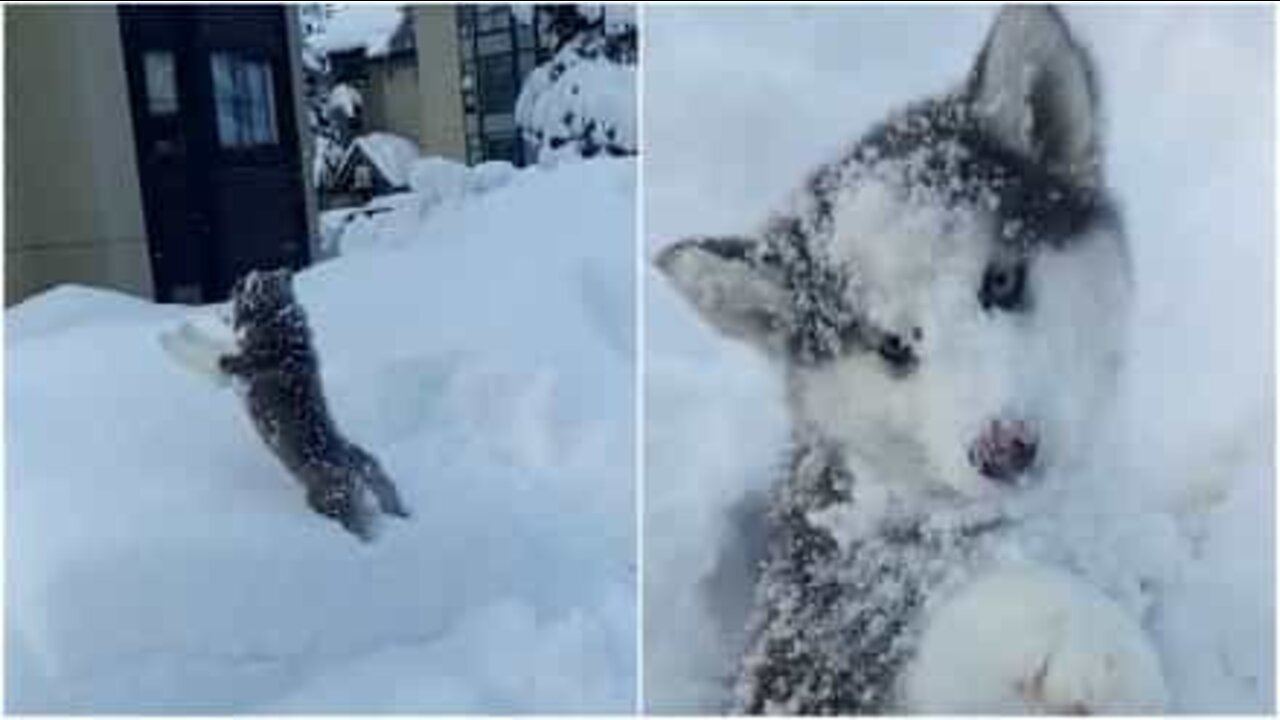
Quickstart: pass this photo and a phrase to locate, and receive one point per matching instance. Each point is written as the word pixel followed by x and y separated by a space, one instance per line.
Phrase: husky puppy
pixel 947 302
pixel 280 382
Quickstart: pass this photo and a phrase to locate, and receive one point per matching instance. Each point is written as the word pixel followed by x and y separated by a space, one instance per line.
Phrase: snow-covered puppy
pixel 280 374
pixel 947 301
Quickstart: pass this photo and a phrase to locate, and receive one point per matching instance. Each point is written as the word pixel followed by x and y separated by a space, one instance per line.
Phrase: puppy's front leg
pixel 1033 640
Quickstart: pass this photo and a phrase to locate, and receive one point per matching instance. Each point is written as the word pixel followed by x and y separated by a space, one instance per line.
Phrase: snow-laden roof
pixel 367 26
pixel 391 154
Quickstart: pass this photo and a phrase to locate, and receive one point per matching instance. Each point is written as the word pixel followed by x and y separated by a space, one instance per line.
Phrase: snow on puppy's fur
pixel 947 302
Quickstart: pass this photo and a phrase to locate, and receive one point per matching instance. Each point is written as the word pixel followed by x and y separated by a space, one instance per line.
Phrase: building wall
pixel 393 103
pixel 73 206
pixel 439 82
pixel 305 138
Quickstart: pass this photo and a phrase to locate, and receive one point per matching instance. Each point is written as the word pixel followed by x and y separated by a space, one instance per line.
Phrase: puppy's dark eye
pixel 897 353
pixel 1004 287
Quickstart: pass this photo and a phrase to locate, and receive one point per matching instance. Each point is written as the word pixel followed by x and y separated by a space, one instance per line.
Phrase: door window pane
pixel 161 82
pixel 244 97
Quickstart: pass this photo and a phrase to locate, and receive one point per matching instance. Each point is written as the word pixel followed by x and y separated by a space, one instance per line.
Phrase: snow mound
pixel 490 175
pixel 65 307
pixel 439 179
pixel 169 564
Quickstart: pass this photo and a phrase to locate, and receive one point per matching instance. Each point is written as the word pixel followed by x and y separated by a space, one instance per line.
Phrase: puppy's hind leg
pixel 344 503
pixel 374 478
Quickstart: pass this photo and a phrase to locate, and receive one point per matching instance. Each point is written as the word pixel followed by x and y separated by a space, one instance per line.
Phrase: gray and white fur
pixel 946 301
pixel 279 372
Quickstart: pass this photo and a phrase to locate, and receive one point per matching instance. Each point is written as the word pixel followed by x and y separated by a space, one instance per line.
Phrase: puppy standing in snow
pixel 947 301
pixel 280 374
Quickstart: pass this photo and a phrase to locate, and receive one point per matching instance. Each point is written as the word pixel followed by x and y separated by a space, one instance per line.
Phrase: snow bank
pixel 159 559
pixel 438 179
pixel 390 219
pixel 1197 422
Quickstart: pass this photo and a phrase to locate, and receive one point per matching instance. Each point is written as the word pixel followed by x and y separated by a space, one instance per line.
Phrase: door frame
pixel 203 156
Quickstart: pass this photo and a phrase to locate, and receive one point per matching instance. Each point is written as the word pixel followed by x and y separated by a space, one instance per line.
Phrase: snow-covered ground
pixel 740 103
pixel 160 559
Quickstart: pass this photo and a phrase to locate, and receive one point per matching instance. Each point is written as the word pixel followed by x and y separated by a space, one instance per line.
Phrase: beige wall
pixel 73 211
pixel 439 82
pixel 393 103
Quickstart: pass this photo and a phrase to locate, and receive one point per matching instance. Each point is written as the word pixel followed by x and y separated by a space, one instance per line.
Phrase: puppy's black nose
pixel 1005 450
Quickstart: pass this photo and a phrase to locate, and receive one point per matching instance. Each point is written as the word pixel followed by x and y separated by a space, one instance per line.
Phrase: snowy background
pixel 739 104
pixel 478 339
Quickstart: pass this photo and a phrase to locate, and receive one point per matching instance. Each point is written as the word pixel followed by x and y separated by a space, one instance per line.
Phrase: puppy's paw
pixel 1033 641
pixel 398 509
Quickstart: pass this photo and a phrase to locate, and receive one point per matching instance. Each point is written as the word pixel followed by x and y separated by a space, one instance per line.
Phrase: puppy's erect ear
pixel 1034 87
pixel 282 278
pixel 731 284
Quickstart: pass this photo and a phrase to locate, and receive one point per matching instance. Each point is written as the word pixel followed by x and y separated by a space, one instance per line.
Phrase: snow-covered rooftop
pixel 391 154
pixel 366 25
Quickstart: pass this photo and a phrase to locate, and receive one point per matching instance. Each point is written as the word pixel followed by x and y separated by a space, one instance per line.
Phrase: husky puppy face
pixel 948 298
pixel 258 297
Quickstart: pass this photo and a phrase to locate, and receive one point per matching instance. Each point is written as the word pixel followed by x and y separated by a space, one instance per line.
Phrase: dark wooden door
pixel 217 145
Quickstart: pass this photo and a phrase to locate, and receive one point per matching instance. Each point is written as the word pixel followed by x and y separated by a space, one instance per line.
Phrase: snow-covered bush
pixel 335 111
pixel 317 90
pixel 343 101
pixel 581 103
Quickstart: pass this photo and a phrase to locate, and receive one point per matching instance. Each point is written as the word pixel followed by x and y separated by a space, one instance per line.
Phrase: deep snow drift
pixel 739 104
pixel 160 559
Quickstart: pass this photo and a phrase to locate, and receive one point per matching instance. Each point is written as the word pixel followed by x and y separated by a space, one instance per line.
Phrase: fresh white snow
pixel 160 559
pixel 739 104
